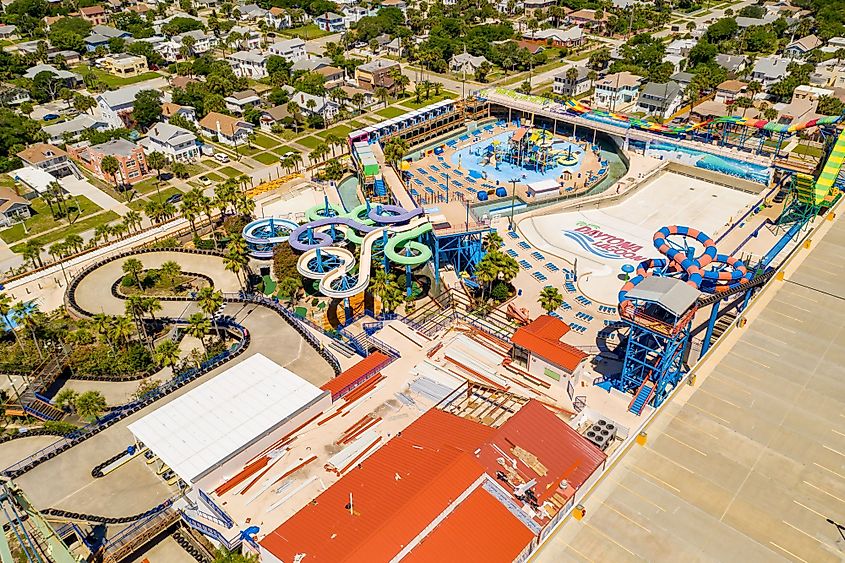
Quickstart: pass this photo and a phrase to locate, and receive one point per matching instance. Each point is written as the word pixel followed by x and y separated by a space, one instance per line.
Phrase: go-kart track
pixel 604 239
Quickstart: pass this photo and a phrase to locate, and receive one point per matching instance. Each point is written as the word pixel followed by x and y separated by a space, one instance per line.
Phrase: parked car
pixel 50 117
pixel 221 157
pixel 204 181
pixel 174 198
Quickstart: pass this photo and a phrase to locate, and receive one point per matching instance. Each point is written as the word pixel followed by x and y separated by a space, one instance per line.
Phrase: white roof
pixel 203 428
pixel 544 185
pixel 35 178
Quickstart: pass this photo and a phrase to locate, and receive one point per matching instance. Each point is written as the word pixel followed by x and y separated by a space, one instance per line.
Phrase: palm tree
pixel 74 241
pixel 190 208
pixel 333 140
pixel 103 325
pixel 26 315
pixel 493 241
pixel 289 287
pixel 102 232
pixel 122 329
pixel 571 77
pixel 65 398
pixel 209 302
pixel 235 261
pixel 171 270
pixel 134 267
pixel 199 326
pixel 395 150
pixel 485 273
pixel 134 306
pixel 90 404
pixel 382 94
pixel 205 203
pixel 110 166
pixel 132 220
pixel 5 309
pixel 167 355
pixel 550 298
pixel 32 251
pixel 157 161
pixel 754 88
pixel 151 306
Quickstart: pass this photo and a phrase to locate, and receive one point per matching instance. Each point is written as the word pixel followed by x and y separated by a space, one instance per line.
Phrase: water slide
pixel 262 234
pixel 830 172
pixel 331 281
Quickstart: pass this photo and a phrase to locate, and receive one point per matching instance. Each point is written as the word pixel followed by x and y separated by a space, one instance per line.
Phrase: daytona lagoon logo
pixel 602 244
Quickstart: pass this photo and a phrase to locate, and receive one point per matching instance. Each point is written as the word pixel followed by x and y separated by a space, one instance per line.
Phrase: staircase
pixel 379 187
pixel 642 397
pixel 722 324
pixel 40 409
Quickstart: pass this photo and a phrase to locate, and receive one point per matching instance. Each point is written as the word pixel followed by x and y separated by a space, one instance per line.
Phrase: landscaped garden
pixel 167 280
pixel 49 215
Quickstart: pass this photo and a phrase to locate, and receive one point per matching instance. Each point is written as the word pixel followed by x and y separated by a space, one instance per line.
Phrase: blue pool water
pixel 473 159
pixel 708 161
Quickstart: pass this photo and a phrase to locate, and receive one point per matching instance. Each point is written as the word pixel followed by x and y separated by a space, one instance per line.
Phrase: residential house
pixel 49 158
pixel 376 74
pixel 745 22
pixel 250 12
pixel 95 15
pixel 354 14
pixel 464 63
pixel 769 70
pixel 291 49
pixel 116 105
pixel 680 47
pixel 834 44
pixel 13 95
pixel 571 37
pixel 247 39
pixel 800 48
pixel 70 57
pixel 170 50
pixel 13 208
pixel 181 82
pixel 394 48
pixel 587 19
pixel 352 91
pixel 176 143
pixel 238 101
pixel 401 4
pixel 530 6
pixel 331 22
pixel 675 61
pixel 660 99
pixel 202 41
pixel 169 109
pixel 226 129
pixel 311 63
pixel 8 32
pixel 124 65
pixel 273 116
pixel 829 73
pixel 682 78
pixel 563 86
pixel 130 157
pixel 278 18
pixel 728 91
pixel 68 78
pixel 100 35
pixel 317 105
pixel 734 64
pixel 27 47
pixel 333 76
pixel 71 130
pixel 531 46
pixel 617 91
pixel 249 64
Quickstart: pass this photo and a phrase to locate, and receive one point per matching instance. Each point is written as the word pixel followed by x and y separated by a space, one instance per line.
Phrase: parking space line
pixel 790 317
pixel 658 479
pixel 816 512
pixel 841 476
pixel 797 529
pixel 679 419
pixel 737 354
pixel 766 350
pixel 612 540
pixel 626 517
pixel 670 460
pixel 825 446
pixel 837 432
pixel 783 549
pixel 569 546
pixel 825 492
pixel 714 395
pixel 684 444
pixel 645 498
pixel 726 421
pixel 730 381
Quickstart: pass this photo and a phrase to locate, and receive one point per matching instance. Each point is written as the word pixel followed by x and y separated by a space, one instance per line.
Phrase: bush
pixel 127 281
pixel 169 242
pixel 234 224
pixel 284 262
pixel 150 278
pixel 205 244
pixel 60 427
pixel 500 291
pixel 99 360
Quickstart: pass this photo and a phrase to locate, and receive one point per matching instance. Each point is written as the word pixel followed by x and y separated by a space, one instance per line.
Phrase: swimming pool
pixel 708 161
pixel 474 158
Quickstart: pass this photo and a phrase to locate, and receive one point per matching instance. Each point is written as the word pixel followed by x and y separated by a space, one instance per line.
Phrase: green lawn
pixel 309 31
pixel 116 81
pixel 413 104
pixel 391 112
pixel 214 177
pixel 138 204
pixel 267 158
pixel 228 171
pixel 42 220
pixel 79 227
pixel 309 142
pixel 264 141
pixel 147 186
pixel 194 169
pixel 245 150
pixel 283 150
pixel 355 124
pixel 338 131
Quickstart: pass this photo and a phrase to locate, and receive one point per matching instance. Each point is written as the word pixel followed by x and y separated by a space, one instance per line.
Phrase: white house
pixel 331 22
pixel 237 102
pixel 354 14
pixel 249 40
pixel 176 143
pixel 73 128
pixel 227 129
pixel 660 99
pixel 203 42
pixel 321 105
pixel 617 91
pixel 680 47
pixel 558 37
pixel 291 49
pixel 250 12
pixel 278 18
pixel 116 105
pixel 249 64
pixel 769 70
pixel 564 86
pixel 466 63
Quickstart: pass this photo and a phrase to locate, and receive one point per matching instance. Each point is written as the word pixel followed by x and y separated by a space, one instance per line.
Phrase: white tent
pixel 212 423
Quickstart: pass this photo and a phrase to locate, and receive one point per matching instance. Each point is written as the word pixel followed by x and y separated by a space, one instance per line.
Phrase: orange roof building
pixel 538 344
pixel 436 485
pixel 356 375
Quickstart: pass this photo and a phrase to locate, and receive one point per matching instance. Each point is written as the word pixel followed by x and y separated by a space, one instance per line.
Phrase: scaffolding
pixel 460 248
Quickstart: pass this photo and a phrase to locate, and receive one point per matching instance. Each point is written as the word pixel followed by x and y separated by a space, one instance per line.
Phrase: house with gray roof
pixel 70 79
pixel 466 63
pixel 769 70
pixel 100 34
pixel 732 63
pixel 116 105
pixel 176 143
pixel 660 99
pixel 72 129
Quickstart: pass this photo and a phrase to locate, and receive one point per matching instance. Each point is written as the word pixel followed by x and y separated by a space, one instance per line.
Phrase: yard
pixel 413 104
pixel 229 172
pixel 309 142
pixel 283 150
pixel 116 81
pixel 78 228
pixel 338 131
pixel 264 141
pixel 391 112
pixel 267 158
pixel 42 220
pixel 306 32
pixel 138 204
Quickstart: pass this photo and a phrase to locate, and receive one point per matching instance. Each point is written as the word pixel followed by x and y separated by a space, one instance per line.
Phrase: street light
pixel 513 182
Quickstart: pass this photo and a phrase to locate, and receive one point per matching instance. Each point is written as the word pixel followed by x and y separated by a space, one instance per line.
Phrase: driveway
pixel 77 186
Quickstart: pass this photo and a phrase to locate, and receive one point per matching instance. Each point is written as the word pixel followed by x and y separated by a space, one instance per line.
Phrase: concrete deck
pixel 748 464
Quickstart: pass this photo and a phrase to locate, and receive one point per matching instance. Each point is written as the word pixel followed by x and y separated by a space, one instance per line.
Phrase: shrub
pixel 204 244
pixel 60 427
pixel 500 291
pixel 127 281
pixel 234 224
pixel 284 262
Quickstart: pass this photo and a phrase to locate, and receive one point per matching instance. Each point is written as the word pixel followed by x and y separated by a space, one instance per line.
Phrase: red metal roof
pixel 500 536
pixel 396 493
pixel 362 370
pixel 565 453
pixel 519 134
pixel 542 337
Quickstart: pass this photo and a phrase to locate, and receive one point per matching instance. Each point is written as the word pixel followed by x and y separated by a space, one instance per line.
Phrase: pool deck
pixel 748 463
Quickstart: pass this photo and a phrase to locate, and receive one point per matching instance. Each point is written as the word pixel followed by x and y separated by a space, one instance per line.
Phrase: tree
pixel 395 150
pixel 133 267
pixel 65 399
pixel 167 355
pixel 147 108
pixel 382 94
pixel 90 404
pixel 223 556
pixel 236 259
pixel 157 161
pixel 493 241
pixel 289 287
pixel 550 299
pixel 485 273
pixel 209 302
pixel 199 326
pixel 74 242
pixel 5 310
pixel 386 288
pixel 482 71
pixel 170 270
pixel 110 166
pixel 132 219
pixel 32 251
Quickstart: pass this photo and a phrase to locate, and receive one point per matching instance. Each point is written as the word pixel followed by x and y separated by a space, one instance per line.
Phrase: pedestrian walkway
pixel 81 186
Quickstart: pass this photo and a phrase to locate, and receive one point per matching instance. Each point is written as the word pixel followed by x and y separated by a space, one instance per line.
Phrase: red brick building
pixel 130 157
pixel 95 15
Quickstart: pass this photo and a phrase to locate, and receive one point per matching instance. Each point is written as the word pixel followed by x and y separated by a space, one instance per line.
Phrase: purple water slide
pixel 322 239
pixel 391 214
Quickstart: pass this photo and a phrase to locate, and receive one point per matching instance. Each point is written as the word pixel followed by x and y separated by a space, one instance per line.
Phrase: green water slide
pixel 827 178
pixel 396 246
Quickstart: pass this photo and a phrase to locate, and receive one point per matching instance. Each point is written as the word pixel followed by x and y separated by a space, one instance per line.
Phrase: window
pixel 133 174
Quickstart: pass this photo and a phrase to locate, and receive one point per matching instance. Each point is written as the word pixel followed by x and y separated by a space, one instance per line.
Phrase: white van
pixel 221 157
